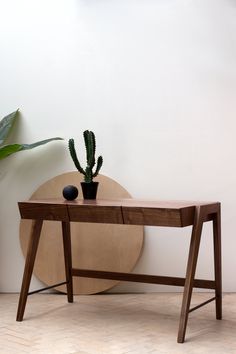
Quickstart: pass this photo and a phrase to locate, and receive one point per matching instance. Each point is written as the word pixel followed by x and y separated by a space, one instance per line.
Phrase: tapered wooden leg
pixel 190 273
pixel 217 263
pixel 29 265
pixel 68 259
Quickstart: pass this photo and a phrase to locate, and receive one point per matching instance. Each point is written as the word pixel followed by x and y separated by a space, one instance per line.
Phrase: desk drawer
pixel 43 211
pixel 95 214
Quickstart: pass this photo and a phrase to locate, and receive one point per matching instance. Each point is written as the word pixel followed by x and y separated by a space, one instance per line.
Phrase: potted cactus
pixel 89 187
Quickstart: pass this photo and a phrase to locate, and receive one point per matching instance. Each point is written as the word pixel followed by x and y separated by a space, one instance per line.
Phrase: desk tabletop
pixel 122 202
pixel 114 211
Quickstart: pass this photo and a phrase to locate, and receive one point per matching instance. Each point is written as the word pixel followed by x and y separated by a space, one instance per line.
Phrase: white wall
pixel 155 80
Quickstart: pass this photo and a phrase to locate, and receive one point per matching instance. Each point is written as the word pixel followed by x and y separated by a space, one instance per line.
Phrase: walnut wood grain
pixel 158 216
pixel 120 211
pixel 96 214
pixel 44 210
pixel 202 213
pixel 142 278
pixel 190 273
pixel 217 262
pixel 68 259
pixel 130 212
pixel 29 265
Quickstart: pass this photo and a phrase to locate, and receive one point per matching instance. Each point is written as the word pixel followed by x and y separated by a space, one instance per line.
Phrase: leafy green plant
pixel 90 145
pixel 6 126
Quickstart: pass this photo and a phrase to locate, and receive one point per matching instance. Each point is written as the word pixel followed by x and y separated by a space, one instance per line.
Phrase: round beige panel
pixel 94 246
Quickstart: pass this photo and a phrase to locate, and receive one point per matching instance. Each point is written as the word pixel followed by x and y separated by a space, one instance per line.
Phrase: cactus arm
pixel 87 146
pixel 74 156
pixel 89 140
pixel 99 165
pixel 93 140
pixel 86 143
pixel 91 158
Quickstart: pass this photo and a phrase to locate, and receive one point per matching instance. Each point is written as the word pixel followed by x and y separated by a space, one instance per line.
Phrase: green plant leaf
pixel 7 150
pixel 6 125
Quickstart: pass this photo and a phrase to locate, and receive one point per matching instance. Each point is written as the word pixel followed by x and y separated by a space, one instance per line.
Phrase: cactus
pixel 90 145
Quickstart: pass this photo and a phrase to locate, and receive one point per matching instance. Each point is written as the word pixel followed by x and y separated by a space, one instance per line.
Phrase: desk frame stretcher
pixel 128 212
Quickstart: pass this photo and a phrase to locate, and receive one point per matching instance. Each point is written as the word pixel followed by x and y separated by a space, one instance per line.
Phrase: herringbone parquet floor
pixel 114 324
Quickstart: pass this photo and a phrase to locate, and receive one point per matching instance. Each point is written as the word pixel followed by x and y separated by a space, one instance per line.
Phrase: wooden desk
pixel 130 212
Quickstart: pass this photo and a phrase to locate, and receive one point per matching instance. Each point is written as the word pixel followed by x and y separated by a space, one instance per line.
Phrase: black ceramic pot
pixel 89 189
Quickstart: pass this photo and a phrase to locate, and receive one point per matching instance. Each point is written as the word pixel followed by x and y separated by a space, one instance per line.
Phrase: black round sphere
pixel 70 192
